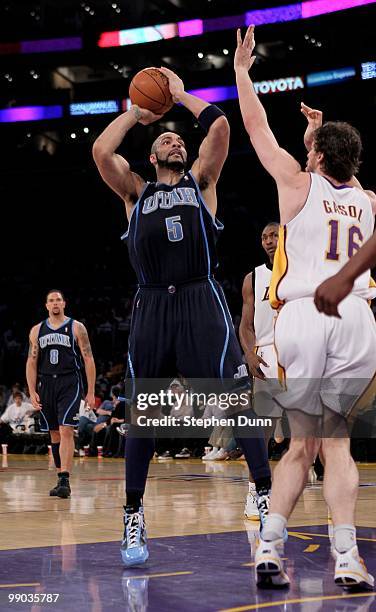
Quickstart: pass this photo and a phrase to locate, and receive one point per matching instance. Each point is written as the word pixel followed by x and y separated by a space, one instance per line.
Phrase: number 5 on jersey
pixel 174 228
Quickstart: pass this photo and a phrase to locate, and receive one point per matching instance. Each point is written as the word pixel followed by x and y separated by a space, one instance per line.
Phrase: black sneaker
pixel 62 488
pixel 166 456
pixel 185 453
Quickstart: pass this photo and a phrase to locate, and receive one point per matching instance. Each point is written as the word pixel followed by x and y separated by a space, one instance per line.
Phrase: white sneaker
pixel 269 570
pixel 221 455
pixel 251 510
pixel 210 456
pixel 350 570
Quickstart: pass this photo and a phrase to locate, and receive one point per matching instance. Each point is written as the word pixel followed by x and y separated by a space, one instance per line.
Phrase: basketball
pixel 149 89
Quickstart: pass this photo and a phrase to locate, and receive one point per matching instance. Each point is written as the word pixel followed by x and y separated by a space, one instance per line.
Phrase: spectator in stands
pixel 17 418
pixel 17 388
pixel 92 421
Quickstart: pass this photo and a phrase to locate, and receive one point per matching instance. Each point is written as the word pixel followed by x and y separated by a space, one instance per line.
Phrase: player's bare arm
pixel 214 148
pixel 83 341
pixel 332 291
pixel 114 168
pixel 247 330
pixel 293 184
pixel 314 121
pixel 32 367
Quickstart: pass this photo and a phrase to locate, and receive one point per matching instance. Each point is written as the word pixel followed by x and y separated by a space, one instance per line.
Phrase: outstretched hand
pixel 314 118
pixel 243 55
pixel 175 84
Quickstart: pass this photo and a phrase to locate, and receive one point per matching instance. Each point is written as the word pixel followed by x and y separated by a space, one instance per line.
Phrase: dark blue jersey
pixel 58 353
pixel 172 234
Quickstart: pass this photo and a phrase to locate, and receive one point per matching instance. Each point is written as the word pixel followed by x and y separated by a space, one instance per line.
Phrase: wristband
pixel 207 117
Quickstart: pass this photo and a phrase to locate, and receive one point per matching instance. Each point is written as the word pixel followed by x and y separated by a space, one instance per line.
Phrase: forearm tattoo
pixel 33 349
pixel 85 343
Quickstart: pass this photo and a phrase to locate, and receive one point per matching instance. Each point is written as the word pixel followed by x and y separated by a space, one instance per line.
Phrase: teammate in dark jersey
pixel 180 320
pixel 53 372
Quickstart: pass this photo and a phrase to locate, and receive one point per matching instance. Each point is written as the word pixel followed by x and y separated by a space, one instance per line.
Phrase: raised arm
pixel 332 291
pixel 113 168
pixel 87 355
pixel 247 330
pixel 32 367
pixel 292 183
pixel 280 164
pixel 214 148
pixel 314 121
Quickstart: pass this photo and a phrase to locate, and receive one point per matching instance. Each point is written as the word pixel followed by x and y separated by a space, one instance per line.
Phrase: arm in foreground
pixel 332 291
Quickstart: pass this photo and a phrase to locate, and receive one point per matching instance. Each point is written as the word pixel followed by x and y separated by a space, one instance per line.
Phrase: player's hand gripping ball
pixel 149 89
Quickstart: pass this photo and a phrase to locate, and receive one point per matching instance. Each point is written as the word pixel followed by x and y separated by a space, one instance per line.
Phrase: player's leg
pixel 148 358
pixel 301 398
pixel 66 447
pixel 68 395
pixel 264 407
pixel 341 481
pixel 289 480
pixel 207 348
pixel 55 447
pixel 252 441
pixel 350 368
pixel 49 421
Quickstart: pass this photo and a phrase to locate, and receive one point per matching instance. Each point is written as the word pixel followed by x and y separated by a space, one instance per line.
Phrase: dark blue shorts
pixel 60 397
pixel 184 330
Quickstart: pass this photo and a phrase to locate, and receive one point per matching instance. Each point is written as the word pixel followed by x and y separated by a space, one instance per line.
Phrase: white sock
pixel 344 537
pixel 274 527
pixel 215 449
pixel 251 487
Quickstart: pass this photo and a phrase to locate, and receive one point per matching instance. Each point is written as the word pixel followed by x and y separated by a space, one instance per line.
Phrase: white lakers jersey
pixel 317 243
pixel 264 314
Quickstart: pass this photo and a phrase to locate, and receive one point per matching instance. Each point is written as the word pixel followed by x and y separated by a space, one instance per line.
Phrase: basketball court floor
pixel 67 551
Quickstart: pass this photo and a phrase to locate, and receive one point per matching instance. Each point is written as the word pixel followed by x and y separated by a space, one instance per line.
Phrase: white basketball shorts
pixel 327 362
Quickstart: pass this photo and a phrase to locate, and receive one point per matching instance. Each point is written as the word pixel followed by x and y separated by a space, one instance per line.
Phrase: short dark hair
pixel 55 291
pixel 341 145
pixel 17 394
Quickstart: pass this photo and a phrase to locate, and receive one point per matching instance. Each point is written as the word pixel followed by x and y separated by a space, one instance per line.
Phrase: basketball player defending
pixel 180 317
pixel 325 217
pixel 54 380
pixel 256 332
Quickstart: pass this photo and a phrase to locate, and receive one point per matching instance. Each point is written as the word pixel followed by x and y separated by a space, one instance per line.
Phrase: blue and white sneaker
pixel 135 593
pixel 134 549
pixel 263 503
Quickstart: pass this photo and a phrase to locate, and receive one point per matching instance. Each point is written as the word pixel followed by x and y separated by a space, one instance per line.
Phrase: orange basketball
pixel 149 89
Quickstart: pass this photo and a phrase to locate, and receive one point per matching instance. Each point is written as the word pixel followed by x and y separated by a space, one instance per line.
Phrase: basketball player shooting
pixel 325 217
pixel 180 320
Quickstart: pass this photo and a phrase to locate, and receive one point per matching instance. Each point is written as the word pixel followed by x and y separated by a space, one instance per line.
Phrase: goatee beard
pixel 174 166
